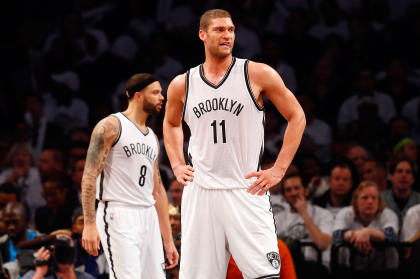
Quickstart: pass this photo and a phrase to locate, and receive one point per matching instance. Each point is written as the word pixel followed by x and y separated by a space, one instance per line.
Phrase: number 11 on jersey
pixel 214 125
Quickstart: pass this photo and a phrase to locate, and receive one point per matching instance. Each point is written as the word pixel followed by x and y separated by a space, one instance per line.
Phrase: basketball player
pixel 123 152
pixel 225 207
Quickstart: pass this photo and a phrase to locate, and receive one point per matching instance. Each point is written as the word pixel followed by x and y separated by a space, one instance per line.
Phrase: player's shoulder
pixel 109 127
pixel 179 81
pixel 260 71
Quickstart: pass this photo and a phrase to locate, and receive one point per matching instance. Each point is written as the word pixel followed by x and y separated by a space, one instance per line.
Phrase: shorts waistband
pixel 121 204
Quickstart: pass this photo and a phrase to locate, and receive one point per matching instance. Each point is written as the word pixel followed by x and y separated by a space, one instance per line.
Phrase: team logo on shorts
pixel 274 259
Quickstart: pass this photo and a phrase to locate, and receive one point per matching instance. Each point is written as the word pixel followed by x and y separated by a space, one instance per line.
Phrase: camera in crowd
pixel 61 253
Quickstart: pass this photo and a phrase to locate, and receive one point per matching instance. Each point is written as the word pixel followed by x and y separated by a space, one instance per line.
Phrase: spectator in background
pixel 375 171
pixel 176 189
pixel 24 176
pixel 407 148
pixel 57 212
pixel 367 220
pixel 358 155
pixel 51 161
pixel 76 151
pixel 396 83
pixel 8 193
pixel 410 232
pixel 401 195
pixel 65 266
pixel 411 226
pixel 310 169
pixel 364 87
pixel 304 222
pixel 317 135
pixel 287 270
pixel 16 222
pixel 341 183
pixel 43 133
pixel 76 178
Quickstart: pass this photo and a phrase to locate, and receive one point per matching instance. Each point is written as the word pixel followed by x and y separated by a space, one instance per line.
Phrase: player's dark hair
pixel 137 83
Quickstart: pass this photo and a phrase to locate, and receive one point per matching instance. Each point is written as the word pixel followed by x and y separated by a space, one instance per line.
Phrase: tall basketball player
pixel 225 205
pixel 122 173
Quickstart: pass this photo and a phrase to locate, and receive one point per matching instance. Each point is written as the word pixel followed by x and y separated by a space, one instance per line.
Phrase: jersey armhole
pixel 187 77
pixel 119 133
pixel 248 85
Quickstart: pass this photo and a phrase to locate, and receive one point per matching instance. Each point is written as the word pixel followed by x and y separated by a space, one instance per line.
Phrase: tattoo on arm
pixel 103 136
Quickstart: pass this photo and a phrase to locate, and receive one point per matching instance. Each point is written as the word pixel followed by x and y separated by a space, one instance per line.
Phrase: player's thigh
pixel 151 252
pixel 204 253
pixel 251 235
pixel 120 242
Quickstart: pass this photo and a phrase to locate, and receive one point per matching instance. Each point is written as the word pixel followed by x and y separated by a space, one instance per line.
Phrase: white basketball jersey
pixel 127 177
pixel 227 127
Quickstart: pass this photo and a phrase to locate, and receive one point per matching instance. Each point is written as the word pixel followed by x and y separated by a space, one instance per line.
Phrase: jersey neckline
pixel 215 86
pixel 144 134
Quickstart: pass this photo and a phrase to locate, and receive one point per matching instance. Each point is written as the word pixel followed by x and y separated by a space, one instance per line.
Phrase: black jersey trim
pixel 215 86
pixel 272 276
pixel 187 83
pixel 144 134
pixel 101 185
pixel 108 240
pixel 119 132
pixel 272 213
pixel 248 85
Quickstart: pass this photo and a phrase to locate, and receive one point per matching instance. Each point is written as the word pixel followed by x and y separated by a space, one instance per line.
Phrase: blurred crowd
pixel 354 66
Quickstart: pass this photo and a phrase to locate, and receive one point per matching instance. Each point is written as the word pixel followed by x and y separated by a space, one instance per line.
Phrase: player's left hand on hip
pixel 265 180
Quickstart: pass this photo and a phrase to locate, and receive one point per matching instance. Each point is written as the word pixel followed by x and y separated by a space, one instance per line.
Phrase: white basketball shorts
pixel 218 223
pixel 131 240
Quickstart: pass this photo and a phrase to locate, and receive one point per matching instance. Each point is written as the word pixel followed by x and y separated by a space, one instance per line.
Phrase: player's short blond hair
pixel 210 14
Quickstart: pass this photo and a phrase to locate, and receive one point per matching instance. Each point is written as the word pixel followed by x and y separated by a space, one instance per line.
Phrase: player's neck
pixel 217 65
pixel 136 115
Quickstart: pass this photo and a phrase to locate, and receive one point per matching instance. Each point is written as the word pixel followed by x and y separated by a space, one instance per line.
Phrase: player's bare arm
pixel 265 81
pixel 172 130
pixel 161 205
pixel 103 136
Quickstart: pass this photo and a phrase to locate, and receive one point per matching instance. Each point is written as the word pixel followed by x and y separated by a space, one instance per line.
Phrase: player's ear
pixel 201 34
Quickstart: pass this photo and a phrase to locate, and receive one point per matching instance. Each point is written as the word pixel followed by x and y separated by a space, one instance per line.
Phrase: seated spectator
pixel 375 171
pixel 367 220
pixel 364 86
pixel 8 193
pixel 56 214
pixel 304 222
pixel 310 169
pixel 16 222
pixel 358 155
pixel 94 265
pixel 287 270
pixel 317 135
pixel 24 176
pixel 63 255
pixel 407 148
pixel 175 219
pixel 50 162
pixel 76 178
pixel 411 233
pixel 401 195
pixel 176 189
pixel 341 184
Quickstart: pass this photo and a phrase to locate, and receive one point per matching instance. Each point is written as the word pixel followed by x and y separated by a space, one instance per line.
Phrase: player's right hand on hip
pixel 184 173
pixel 90 239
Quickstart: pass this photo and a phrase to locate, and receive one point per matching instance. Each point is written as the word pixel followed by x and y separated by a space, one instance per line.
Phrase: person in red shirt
pixel 287 270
